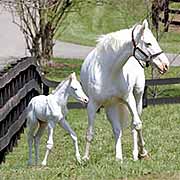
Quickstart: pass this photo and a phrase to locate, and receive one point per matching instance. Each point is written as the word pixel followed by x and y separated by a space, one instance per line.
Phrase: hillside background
pixel 90 20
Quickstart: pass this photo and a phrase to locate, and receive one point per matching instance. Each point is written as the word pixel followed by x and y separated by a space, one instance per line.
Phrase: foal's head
pixel 146 47
pixel 75 89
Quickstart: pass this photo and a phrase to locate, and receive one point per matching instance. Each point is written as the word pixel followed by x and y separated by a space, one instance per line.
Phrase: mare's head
pixel 76 90
pixel 146 47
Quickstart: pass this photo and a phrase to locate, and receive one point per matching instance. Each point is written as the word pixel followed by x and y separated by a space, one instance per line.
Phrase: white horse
pixel 44 111
pixel 106 84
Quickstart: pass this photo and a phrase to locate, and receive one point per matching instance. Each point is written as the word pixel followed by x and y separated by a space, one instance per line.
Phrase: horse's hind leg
pixel 38 135
pixel 32 126
pixel 114 118
pixel 91 109
pixel 49 145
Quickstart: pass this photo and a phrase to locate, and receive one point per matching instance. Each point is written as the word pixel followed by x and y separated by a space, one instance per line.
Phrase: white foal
pixel 107 84
pixel 44 111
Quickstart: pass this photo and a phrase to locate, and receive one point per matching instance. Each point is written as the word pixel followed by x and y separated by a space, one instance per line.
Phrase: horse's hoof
pixel 85 158
pixel 119 160
pixel 43 163
pixel 145 156
pixel 138 126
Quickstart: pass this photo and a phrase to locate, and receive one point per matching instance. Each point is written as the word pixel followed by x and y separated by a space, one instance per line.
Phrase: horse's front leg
pixel 139 98
pixel 91 109
pixel 64 124
pixel 49 145
pixel 136 124
pixel 113 116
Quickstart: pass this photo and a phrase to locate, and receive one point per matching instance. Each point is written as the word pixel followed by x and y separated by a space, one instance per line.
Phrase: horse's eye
pixel 75 89
pixel 148 44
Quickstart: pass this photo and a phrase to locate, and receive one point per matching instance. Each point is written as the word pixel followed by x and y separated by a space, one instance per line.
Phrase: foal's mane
pixel 59 86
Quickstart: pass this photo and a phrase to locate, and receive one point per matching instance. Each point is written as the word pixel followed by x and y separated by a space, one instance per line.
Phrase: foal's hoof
pixel 79 160
pixel 85 158
pixel 29 163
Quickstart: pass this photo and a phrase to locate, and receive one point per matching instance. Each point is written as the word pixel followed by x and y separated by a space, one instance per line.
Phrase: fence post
pixel 45 89
pixel 145 104
pixel 166 15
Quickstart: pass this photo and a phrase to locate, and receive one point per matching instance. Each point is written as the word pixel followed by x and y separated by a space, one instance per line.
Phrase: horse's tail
pixel 124 115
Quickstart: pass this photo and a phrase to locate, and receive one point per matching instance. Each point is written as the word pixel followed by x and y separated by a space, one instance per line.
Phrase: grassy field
pixel 84 25
pixel 161 132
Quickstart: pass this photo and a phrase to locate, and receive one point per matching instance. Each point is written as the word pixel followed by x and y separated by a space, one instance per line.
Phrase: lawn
pixel 84 25
pixel 161 132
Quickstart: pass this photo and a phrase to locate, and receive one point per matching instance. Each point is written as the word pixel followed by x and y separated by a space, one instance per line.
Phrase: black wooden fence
pixel 163 6
pixel 24 81
pixel 17 86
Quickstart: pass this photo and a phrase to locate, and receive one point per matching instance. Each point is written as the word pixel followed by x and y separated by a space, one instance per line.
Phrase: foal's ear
pixel 73 75
pixel 145 23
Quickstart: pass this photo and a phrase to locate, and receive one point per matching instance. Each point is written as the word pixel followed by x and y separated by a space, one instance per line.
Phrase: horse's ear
pixel 145 23
pixel 139 32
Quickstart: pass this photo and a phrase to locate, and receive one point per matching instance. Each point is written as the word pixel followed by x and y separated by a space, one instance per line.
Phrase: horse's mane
pixel 112 40
pixel 59 86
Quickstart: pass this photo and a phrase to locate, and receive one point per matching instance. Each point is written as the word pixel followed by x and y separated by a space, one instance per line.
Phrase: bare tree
pixel 39 21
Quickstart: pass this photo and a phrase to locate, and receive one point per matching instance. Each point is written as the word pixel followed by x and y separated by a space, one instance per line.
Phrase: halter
pixel 148 57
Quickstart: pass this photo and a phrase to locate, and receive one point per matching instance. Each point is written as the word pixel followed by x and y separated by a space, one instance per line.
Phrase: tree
pixel 39 21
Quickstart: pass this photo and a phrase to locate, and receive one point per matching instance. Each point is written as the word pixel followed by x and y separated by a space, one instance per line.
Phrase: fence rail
pixel 17 86
pixel 164 7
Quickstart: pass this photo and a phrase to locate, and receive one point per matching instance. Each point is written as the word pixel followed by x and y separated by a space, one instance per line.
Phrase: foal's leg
pixel 42 127
pixel 91 109
pixel 32 126
pixel 64 124
pixel 49 145
pixel 114 118
pixel 139 98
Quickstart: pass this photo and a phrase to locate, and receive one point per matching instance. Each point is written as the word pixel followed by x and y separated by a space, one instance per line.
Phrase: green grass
pixel 88 22
pixel 161 132
pixel 161 128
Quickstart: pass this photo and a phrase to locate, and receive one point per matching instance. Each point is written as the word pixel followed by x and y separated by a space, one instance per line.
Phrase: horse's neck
pixel 113 57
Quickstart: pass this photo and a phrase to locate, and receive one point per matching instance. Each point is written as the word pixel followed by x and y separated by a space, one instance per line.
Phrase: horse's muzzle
pixel 163 68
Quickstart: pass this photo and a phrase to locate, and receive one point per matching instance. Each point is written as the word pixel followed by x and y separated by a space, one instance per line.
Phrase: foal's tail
pixel 124 115
pixel 30 113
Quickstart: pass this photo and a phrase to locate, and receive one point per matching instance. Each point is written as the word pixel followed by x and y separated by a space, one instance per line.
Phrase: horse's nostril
pixel 166 66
